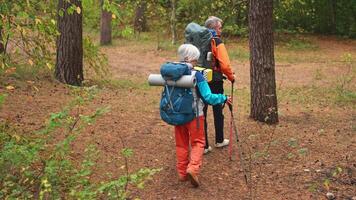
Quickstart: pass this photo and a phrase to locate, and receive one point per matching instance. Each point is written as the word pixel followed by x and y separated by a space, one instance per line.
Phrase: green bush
pixel 39 165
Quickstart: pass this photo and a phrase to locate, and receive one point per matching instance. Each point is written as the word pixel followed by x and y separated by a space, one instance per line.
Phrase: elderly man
pixel 221 66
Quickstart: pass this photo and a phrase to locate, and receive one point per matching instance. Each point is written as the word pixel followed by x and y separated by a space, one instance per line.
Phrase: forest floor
pixel 309 153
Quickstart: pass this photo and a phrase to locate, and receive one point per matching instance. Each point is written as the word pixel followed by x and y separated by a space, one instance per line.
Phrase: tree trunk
pixel 173 22
pixel 105 26
pixel 140 18
pixel 333 15
pixel 262 65
pixel 69 61
pixel 2 49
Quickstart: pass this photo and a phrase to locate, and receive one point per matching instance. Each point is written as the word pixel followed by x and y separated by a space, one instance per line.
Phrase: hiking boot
pixel 193 178
pixel 207 150
pixel 222 144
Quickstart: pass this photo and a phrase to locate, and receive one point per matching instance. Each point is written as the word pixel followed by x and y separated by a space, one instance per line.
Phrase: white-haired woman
pixel 188 168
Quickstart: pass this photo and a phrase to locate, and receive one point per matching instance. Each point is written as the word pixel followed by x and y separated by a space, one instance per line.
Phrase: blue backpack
pixel 176 105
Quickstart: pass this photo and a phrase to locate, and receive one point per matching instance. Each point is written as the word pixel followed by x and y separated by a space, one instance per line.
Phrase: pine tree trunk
pixel 69 62
pixel 262 64
pixel 105 26
pixel 140 18
pixel 1 42
pixel 333 15
pixel 173 22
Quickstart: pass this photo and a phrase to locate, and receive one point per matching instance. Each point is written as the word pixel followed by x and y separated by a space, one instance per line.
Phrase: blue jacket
pixel 205 94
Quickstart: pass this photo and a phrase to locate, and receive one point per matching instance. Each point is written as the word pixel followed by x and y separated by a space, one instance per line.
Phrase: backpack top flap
pixel 173 71
pixel 200 37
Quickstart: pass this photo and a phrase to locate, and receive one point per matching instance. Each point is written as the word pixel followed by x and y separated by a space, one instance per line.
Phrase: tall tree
pixel 262 64
pixel 173 22
pixel 2 49
pixel 69 61
pixel 105 25
pixel 140 23
pixel 333 15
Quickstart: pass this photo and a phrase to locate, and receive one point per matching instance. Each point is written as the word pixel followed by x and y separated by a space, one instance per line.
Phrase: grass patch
pixel 300 44
pixel 239 53
pixel 295 41
pixel 118 84
pixel 316 95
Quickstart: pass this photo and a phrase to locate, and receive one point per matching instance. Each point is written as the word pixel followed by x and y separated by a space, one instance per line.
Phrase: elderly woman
pixel 191 132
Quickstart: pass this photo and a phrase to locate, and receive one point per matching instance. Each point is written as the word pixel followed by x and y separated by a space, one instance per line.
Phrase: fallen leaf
pixel 10 70
pixel 16 137
pixel 10 87
pixel 79 10
pixel 30 62
pixel 38 21
pixel 36 88
pixel 49 66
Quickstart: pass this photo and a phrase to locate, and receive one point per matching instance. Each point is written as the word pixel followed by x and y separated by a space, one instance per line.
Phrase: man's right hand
pixel 233 80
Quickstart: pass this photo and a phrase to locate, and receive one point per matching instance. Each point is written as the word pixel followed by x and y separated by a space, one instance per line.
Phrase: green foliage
pixel 40 165
pixel 302 151
pixel 326 17
pixel 96 61
pixel 91 14
pixel 116 189
pixel 2 99
pixel 28 34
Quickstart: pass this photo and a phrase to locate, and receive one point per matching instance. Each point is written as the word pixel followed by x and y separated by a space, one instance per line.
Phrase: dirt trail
pixel 289 161
pixel 282 174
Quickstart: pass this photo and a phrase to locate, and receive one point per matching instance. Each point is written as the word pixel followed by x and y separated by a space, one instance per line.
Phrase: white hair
pixel 212 22
pixel 188 52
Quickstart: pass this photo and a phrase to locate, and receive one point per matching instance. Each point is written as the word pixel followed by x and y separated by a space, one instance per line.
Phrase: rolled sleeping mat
pixel 186 81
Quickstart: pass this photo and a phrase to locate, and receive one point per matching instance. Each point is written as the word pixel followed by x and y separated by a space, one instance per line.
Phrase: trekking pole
pixel 242 163
pixel 232 101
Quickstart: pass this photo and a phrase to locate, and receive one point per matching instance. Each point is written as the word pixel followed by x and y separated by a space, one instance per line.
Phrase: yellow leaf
pixel 79 10
pixel 53 21
pixel 36 88
pixel 49 66
pixel 30 62
pixel 113 16
pixel 10 87
pixel 17 137
pixel 38 21
pixel 11 70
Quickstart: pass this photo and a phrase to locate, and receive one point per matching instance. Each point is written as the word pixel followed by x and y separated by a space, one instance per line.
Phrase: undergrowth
pixel 39 165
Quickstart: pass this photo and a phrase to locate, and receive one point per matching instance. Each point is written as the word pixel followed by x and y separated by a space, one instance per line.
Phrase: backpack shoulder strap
pixel 215 41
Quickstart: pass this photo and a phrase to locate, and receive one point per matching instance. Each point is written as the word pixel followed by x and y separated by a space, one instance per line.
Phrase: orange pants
pixel 186 133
